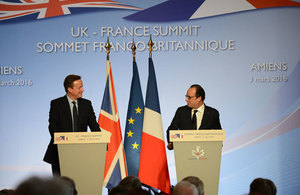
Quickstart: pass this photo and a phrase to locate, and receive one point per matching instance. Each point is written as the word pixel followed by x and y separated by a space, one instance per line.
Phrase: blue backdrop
pixel 247 61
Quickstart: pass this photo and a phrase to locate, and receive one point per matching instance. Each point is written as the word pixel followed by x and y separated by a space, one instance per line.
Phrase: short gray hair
pixel 197 182
pixel 185 188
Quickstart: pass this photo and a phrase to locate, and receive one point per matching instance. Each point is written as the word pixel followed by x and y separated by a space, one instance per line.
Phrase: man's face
pixel 76 91
pixel 191 99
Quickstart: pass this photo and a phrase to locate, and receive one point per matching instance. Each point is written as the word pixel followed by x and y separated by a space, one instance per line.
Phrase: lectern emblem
pixel 199 153
pixel 176 136
pixel 61 138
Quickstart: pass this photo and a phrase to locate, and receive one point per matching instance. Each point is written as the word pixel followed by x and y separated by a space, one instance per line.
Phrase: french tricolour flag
pixel 153 169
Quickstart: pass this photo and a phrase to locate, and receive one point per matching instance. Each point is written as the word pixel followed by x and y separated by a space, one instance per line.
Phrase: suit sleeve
pixel 53 119
pixel 174 124
pixel 94 126
pixel 216 123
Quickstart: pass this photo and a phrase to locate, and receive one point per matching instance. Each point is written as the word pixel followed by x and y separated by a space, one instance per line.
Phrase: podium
pixel 82 158
pixel 198 153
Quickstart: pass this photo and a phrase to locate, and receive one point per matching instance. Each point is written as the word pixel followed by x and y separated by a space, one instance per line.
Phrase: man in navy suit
pixel 195 115
pixel 70 113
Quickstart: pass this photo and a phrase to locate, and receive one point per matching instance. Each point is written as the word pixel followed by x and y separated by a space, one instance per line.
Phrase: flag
pixel 115 165
pixel 134 124
pixel 183 10
pixel 153 169
pixel 13 9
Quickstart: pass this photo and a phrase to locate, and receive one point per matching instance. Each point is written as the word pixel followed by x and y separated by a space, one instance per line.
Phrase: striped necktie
pixel 75 117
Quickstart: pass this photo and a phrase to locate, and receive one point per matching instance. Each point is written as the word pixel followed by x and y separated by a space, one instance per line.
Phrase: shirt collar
pixel 70 100
pixel 200 109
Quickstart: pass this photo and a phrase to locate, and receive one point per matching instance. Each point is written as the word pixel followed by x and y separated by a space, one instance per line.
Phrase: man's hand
pixel 170 146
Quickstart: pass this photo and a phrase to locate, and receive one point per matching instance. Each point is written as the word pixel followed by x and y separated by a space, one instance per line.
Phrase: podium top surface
pixel 81 137
pixel 196 135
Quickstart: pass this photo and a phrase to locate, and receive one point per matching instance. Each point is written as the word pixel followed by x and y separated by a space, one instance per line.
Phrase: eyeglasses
pixel 189 97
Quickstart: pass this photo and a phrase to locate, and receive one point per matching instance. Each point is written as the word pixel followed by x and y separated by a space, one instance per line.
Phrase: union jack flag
pixel 50 8
pixel 115 165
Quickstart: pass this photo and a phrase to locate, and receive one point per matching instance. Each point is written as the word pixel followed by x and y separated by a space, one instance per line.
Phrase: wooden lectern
pixel 82 158
pixel 198 153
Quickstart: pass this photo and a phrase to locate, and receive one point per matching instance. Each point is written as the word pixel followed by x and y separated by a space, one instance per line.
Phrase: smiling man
pixel 195 115
pixel 70 113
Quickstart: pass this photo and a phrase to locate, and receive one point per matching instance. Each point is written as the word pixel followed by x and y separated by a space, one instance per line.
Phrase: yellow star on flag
pixel 138 110
pixel 130 121
pixel 135 145
pixel 129 133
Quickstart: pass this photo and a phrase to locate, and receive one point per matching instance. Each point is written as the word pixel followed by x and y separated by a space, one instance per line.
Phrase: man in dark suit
pixel 70 113
pixel 195 115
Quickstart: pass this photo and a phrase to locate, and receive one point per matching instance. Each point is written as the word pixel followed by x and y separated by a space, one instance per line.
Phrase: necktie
pixel 195 119
pixel 75 117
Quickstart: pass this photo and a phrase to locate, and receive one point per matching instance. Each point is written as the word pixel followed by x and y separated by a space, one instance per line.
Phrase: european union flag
pixel 134 124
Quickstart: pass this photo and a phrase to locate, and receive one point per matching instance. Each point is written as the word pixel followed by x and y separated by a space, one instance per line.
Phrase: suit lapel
pixel 80 109
pixel 189 118
pixel 204 118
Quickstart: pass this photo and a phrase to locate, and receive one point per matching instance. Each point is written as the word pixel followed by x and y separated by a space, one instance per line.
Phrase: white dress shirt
pixel 199 115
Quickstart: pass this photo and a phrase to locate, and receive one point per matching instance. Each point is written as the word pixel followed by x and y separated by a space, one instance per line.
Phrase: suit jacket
pixel 60 120
pixel 183 119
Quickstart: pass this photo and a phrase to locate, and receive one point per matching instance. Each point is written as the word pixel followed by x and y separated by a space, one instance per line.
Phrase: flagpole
pixel 135 117
pixel 107 46
pixel 115 163
pixel 133 48
pixel 153 168
pixel 150 44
